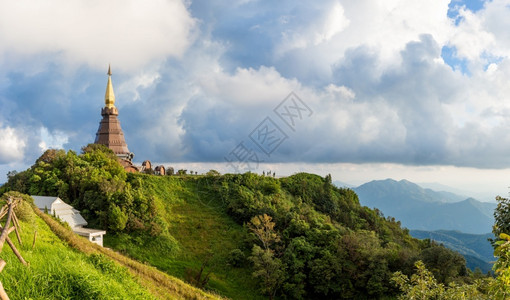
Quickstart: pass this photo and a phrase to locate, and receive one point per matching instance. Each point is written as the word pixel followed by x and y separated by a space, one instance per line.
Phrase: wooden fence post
pixel 5 230
pixel 35 236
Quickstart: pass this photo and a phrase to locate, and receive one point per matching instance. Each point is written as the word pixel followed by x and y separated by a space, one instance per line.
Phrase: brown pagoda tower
pixel 110 133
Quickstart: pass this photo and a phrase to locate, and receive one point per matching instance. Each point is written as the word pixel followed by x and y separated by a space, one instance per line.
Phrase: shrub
pixel 213 173
pixel 236 258
pixel 117 218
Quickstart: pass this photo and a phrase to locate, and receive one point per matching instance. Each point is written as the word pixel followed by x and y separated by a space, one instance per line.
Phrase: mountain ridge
pixel 476 248
pixel 426 209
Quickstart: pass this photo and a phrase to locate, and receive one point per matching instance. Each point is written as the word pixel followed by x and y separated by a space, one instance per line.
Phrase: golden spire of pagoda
pixel 109 97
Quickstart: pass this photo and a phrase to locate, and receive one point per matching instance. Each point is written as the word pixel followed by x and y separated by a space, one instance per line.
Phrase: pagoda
pixel 110 133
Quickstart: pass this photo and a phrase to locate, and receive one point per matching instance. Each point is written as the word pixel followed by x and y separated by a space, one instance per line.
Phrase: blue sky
pixel 396 85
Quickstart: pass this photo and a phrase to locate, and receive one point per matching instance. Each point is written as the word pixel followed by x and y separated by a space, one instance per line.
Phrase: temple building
pixel 110 133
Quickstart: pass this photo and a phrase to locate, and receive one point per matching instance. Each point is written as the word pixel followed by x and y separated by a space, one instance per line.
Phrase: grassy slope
pixel 158 283
pixel 58 272
pixel 203 231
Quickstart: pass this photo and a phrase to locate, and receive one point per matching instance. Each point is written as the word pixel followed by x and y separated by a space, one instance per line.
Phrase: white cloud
pixel 371 71
pixel 247 87
pixel 129 34
pixel 471 38
pixel 495 20
pixel 335 23
pixel 12 145
pixel 52 140
pixel 385 26
pixel 341 92
pixel 138 82
pixel 322 28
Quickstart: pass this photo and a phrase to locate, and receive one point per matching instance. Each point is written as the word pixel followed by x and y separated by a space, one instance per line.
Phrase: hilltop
pixel 240 235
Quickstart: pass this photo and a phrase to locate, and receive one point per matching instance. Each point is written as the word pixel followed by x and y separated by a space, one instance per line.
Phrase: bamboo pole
pixel 35 236
pixel 3 294
pixel 4 234
pixel 14 249
pixel 16 227
pixel 10 230
pixel 16 220
pixel 3 211
pixel 16 252
pixel 2 264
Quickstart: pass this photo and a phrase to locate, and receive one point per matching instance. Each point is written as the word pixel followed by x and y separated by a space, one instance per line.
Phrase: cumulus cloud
pixel 128 34
pixel 419 111
pixel 194 81
pixel 55 140
pixel 384 27
pixel 325 26
pixel 12 145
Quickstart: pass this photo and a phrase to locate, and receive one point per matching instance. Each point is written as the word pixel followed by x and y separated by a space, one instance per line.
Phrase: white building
pixel 65 212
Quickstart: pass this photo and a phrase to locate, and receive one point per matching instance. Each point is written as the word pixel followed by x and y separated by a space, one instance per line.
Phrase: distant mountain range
pixel 343 184
pixel 425 209
pixel 475 248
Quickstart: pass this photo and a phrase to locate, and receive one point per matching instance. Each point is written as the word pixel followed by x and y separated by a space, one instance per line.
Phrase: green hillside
pixel 57 271
pixel 201 234
pixel 66 266
pixel 205 217
pixel 242 236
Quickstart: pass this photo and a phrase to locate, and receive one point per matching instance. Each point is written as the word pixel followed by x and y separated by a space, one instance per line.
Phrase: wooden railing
pixel 8 209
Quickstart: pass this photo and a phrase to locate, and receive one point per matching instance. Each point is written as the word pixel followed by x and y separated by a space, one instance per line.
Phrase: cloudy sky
pixel 364 89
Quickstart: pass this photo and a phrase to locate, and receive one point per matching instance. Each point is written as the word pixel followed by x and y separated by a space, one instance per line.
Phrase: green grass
pixel 201 233
pixel 160 284
pixel 58 272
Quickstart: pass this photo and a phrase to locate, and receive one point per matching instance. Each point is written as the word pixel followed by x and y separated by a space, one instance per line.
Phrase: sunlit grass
pixel 204 234
pixel 59 272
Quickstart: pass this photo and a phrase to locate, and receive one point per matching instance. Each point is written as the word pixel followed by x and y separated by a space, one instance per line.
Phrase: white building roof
pixel 67 213
pixel 73 220
pixel 64 211
pixel 88 231
pixel 59 205
pixel 44 202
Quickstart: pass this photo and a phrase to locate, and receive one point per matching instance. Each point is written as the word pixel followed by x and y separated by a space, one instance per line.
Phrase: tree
pixel 170 171
pixel 117 218
pixel 423 285
pixel 213 173
pixel 444 263
pixel 12 174
pixel 93 182
pixel 263 228
pixel 268 269
pixel 500 287
pixel 501 217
